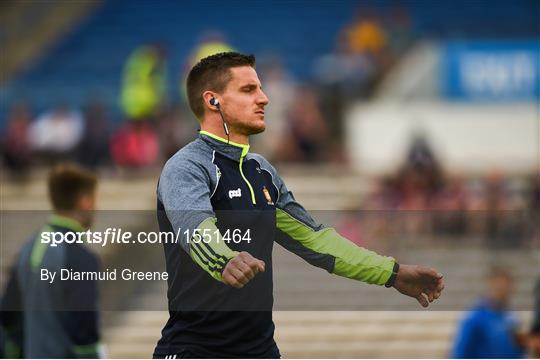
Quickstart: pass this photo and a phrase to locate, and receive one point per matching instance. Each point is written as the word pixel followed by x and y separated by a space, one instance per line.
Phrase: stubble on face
pixel 244 101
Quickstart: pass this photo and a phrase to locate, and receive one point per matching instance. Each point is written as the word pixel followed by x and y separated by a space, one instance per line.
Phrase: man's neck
pixel 217 129
pixel 71 215
pixel 497 305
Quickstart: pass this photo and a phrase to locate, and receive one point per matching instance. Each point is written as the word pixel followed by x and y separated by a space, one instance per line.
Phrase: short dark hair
pixel 498 271
pixel 67 183
pixel 213 73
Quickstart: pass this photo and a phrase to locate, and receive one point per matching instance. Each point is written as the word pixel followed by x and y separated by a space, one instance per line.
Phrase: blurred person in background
pixel 397 24
pixel 144 82
pixel 534 340
pixel 280 88
pixel 144 98
pixel 419 182
pixel 490 330
pixel 505 206
pixel 534 196
pixel 451 205
pixel 210 42
pixel 381 37
pixel 340 77
pixel 425 170
pixel 418 187
pixel 16 149
pixel 350 226
pixel 366 35
pixel 172 131
pixel 381 197
pixel 307 128
pixel 135 145
pixel 363 53
pixel 55 135
pixel 93 149
pixel 495 203
pixel 59 319
pixel 534 207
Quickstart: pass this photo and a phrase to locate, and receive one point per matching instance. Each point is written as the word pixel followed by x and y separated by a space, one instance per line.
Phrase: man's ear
pixel 207 97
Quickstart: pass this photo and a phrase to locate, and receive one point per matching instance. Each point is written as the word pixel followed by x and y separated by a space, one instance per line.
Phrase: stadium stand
pixel 323 327
pixel 22 44
pixel 71 64
pixel 88 60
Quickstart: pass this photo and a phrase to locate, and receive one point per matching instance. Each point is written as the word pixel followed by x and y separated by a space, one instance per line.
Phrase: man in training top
pixel 55 319
pixel 230 206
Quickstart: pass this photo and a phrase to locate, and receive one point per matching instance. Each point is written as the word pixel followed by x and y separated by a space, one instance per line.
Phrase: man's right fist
pixel 241 269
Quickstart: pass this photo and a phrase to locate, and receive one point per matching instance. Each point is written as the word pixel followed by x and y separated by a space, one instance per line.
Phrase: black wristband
pixel 393 277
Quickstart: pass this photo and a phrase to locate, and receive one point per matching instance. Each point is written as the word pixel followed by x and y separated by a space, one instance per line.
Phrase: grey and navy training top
pixel 52 320
pixel 225 200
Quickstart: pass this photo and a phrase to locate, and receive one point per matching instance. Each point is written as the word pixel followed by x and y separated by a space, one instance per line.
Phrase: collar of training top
pixel 66 223
pixel 230 149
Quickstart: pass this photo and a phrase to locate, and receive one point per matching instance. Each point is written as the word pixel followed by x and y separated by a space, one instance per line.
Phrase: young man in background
pixel 56 319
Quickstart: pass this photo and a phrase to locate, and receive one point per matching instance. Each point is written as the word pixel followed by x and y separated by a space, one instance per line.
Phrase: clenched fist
pixel 422 283
pixel 241 269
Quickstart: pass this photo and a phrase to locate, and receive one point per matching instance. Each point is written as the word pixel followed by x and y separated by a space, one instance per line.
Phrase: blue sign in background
pixel 491 71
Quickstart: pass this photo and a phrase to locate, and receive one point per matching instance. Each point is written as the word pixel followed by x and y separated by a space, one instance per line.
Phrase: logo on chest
pixel 267 196
pixel 235 193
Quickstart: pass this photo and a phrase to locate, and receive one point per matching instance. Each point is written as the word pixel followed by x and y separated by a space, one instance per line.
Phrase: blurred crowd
pixel 304 120
pixel 365 50
pixel 504 210
pixel 304 125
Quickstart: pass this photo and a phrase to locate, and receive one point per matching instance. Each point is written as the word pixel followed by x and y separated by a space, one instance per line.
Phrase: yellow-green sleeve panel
pixel 208 250
pixel 320 245
pixel 350 260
